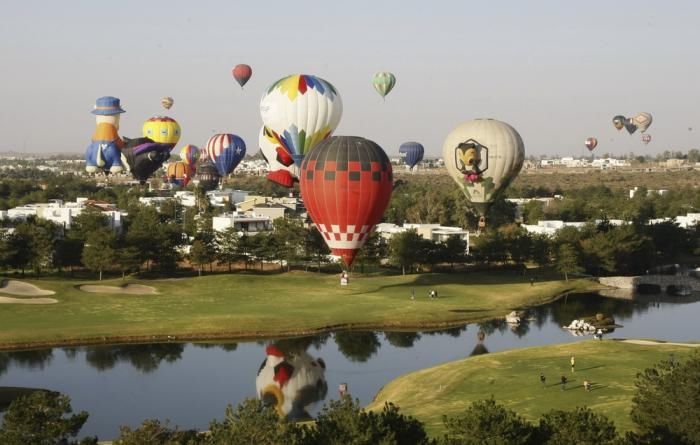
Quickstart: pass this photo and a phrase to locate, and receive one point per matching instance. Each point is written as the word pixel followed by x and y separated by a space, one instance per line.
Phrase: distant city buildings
pixel 431 232
pixel 63 213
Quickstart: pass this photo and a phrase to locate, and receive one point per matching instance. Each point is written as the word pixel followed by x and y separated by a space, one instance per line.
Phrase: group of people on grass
pixel 564 380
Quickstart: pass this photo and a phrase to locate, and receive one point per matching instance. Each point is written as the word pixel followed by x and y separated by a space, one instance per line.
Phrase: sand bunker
pixel 14 287
pixel 132 289
pixel 10 300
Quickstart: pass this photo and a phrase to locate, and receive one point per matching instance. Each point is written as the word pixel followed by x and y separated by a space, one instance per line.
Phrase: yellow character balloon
pixel 162 129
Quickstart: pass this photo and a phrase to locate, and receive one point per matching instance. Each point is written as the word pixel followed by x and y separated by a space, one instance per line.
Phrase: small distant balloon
pixel 412 152
pixel 646 138
pixel 591 143
pixel 242 73
pixel 384 82
pixel 167 102
pixel 190 154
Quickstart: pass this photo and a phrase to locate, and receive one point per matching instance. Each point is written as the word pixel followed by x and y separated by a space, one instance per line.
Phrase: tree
pixel 315 246
pixel 289 239
pixel 667 404
pixel 39 419
pixel 343 422
pixel 455 250
pixel 152 432
pixel 404 249
pixel 567 261
pixel 372 252
pixel 580 426
pixel 127 258
pixel 199 255
pixel 98 253
pixel 488 422
pixel 68 253
pixel 227 250
pixel 251 423
pixel 357 346
pixel 541 252
pixel 86 222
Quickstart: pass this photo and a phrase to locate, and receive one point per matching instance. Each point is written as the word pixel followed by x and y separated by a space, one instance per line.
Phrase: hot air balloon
pixel 167 102
pixel 242 73
pixel 143 156
pixel 300 111
pixel 619 122
pixel 642 121
pixel 646 138
pixel 207 175
pixel 283 170
pixel 189 154
pixel 162 129
pixel 591 143
pixel 413 153
pixel 225 151
pixel 630 126
pixel 384 82
pixel 483 156
pixel 179 173
pixel 346 184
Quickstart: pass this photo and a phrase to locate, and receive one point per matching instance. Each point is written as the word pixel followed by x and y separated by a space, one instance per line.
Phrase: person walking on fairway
pixel 542 379
pixel 573 364
pixel 563 383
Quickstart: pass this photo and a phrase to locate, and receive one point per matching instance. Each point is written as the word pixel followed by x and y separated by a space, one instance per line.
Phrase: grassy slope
pixel 512 378
pixel 242 305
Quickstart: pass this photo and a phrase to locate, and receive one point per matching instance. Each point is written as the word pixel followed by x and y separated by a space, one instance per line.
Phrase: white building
pixel 550 227
pixel 660 192
pixel 248 223
pixel 432 232
pixel 688 221
pixel 62 213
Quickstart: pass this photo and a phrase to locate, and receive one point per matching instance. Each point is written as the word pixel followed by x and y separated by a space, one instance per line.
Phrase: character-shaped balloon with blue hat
pixel 104 152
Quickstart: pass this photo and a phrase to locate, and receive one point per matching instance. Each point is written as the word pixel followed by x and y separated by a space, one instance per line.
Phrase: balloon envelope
pixel 646 138
pixel 283 170
pixel 144 156
pixel 167 102
pixel 162 129
pixel 242 73
pixel 619 122
pixel 483 156
pixel 179 173
pixel 591 143
pixel 190 154
pixel 413 153
pixel 642 121
pixel 226 151
pixel 630 126
pixel 300 111
pixel 208 176
pixel 346 183
pixel 384 82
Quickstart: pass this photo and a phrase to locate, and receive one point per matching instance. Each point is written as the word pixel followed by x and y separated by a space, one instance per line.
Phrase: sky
pixel 557 71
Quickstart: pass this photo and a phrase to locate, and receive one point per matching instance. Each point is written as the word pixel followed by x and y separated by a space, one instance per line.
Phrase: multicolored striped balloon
pixel 189 154
pixel 226 151
pixel 300 111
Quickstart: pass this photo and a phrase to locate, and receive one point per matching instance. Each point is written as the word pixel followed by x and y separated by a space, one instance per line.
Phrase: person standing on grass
pixel 563 382
pixel 573 364
pixel 542 379
pixel 587 385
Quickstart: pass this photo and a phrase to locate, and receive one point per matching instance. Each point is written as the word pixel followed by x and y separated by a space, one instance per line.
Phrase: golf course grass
pixel 244 305
pixel 512 378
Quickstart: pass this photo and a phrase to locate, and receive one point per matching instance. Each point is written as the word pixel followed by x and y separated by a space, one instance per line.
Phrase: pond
pixel 191 383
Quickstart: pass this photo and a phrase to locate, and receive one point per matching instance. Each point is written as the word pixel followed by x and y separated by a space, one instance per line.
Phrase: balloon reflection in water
pixel 291 381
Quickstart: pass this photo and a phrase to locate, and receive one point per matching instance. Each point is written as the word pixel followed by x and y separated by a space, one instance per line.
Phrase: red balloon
pixel 591 143
pixel 346 183
pixel 242 73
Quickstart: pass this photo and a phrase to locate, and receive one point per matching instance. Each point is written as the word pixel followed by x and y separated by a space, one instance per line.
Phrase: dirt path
pixel 10 300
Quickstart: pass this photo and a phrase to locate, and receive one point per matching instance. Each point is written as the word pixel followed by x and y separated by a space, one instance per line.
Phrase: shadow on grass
pixel 590 367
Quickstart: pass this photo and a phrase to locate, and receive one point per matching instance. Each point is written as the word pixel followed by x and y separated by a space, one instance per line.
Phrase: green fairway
pixel 512 378
pixel 247 305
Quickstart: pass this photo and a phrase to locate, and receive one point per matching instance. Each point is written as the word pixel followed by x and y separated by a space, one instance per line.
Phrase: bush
pixel 151 432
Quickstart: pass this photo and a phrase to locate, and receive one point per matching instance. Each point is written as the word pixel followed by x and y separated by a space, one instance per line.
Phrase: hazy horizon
pixel 558 72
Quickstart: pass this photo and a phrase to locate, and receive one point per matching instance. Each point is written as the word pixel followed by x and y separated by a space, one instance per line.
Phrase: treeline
pixel 665 410
pixel 160 241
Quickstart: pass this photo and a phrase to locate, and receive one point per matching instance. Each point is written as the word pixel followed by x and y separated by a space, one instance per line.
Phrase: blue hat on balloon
pixel 107 106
